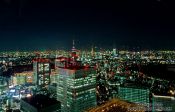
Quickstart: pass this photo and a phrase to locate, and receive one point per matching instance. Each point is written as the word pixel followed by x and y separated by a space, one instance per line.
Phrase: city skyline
pixel 106 81
pixel 38 25
pixel 91 56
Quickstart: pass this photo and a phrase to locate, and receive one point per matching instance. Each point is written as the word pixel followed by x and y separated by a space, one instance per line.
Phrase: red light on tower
pixel 74 55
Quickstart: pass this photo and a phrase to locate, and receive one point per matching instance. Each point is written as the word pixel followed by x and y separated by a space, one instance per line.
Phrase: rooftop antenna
pixel 73 49
pixel 73 46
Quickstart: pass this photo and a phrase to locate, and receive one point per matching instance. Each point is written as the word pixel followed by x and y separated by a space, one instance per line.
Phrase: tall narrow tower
pixel 42 72
pixel 114 51
pixel 73 54
pixel 92 51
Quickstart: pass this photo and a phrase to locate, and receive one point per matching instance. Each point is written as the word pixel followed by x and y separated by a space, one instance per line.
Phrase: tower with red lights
pixel 42 71
pixel 76 88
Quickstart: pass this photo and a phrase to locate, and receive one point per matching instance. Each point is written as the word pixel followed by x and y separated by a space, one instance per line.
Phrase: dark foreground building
pixel 40 103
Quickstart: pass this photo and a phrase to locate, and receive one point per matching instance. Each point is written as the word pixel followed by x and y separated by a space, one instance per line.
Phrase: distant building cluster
pixel 95 81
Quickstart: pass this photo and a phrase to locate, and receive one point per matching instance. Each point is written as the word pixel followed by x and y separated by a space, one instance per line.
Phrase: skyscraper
pixel 134 93
pixel 76 84
pixel 42 72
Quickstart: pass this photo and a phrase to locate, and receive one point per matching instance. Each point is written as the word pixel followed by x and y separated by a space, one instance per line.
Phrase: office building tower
pixel 42 72
pixel 76 87
pixel 134 93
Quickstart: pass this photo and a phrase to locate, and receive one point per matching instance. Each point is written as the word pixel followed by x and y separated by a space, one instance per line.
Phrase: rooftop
pixel 41 60
pixel 75 67
pixel 134 85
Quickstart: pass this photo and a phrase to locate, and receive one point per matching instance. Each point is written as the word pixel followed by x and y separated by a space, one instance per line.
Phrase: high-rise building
pixel 53 76
pixel 134 93
pixel 114 51
pixel 42 72
pixel 76 88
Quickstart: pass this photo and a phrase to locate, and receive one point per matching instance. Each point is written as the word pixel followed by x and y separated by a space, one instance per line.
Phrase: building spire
pixel 73 49
pixel 73 46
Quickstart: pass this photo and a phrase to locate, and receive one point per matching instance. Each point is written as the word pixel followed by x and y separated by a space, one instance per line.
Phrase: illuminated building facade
pixel 163 103
pixel 53 76
pixel 42 71
pixel 76 88
pixel 114 52
pixel 134 94
pixel 23 78
pixel 116 105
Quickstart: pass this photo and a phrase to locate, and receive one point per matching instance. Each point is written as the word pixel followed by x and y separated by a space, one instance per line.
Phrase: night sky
pixel 53 24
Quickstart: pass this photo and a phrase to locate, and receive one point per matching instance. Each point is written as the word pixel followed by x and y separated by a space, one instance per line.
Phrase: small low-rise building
pixel 40 103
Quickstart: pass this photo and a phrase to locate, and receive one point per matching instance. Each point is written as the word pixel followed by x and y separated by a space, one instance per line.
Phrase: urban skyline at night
pixel 87 56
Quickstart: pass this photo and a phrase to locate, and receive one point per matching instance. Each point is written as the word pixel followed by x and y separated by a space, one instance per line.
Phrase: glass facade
pixel 135 95
pixel 163 103
pixel 76 89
